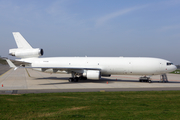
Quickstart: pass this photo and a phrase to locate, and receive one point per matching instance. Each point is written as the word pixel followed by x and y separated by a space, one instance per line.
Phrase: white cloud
pixel 113 15
pixel 59 9
pixel 168 28
pixel 170 3
pixel 55 8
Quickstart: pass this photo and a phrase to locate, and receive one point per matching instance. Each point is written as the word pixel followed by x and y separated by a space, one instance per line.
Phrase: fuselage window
pixel 169 63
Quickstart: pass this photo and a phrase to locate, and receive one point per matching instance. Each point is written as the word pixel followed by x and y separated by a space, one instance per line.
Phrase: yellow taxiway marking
pixel 27 72
pixel 102 90
pixel 5 73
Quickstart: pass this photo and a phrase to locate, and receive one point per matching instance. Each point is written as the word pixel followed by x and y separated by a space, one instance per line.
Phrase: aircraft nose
pixel 174 67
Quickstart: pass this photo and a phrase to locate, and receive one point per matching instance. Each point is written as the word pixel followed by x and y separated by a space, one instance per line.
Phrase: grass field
pixel 176 71
pixel 2 61
pixel 148 105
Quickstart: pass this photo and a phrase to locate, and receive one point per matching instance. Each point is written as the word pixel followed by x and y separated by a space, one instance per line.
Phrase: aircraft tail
pixel 20 41
pixel 24 49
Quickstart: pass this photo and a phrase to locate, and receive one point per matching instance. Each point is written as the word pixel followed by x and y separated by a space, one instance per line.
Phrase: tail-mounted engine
pixel 26 53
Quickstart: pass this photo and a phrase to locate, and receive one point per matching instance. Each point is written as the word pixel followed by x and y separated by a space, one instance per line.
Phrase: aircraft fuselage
pixel 107 65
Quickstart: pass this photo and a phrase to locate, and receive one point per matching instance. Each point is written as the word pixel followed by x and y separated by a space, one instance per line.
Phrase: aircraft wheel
pixel 70 79
pixel 76 79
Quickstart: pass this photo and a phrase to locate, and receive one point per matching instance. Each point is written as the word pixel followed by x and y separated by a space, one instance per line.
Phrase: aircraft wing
pixel 54 68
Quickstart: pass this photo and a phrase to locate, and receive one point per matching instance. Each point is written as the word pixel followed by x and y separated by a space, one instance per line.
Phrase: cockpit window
pixel 169 63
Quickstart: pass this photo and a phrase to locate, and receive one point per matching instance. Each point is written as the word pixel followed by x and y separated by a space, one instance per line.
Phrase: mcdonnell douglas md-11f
pixel 88 67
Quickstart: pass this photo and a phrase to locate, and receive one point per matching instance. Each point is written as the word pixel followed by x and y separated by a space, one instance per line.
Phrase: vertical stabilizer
pixel 20 41
pixel 24 49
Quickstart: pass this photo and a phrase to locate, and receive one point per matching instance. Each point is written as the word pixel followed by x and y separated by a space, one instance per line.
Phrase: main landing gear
pixel 145 79
pixel 75 78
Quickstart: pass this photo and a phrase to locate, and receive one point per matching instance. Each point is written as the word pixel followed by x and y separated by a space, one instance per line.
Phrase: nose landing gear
pixel 163 78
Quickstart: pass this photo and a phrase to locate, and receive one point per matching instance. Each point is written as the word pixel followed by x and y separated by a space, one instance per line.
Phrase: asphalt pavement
pixel 23 81
pixel 4 68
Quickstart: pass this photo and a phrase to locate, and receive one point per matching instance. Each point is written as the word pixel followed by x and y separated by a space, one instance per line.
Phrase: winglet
pixel 11 64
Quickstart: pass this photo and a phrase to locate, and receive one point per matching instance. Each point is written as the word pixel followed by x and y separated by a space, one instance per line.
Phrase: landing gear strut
pixel 163 78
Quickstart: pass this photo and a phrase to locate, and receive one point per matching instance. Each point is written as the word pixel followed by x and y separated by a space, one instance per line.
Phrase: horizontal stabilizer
pixel 11 64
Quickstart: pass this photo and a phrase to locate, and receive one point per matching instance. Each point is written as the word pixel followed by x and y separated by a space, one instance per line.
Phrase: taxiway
pixel 29 81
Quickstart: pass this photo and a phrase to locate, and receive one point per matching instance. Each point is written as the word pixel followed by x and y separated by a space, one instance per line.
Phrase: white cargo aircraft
pixel 88 67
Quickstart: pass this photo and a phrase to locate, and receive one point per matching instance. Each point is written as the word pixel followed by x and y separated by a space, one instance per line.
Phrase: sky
pixel 94 28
